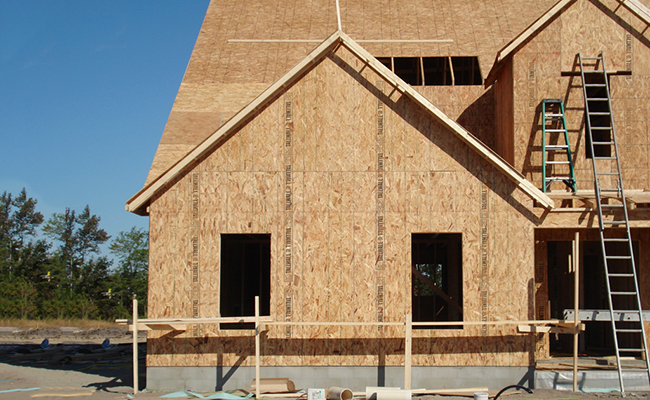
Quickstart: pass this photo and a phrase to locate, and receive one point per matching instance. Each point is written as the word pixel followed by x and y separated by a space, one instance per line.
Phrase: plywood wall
pixel 367 169
pixel 540 70
pixel 223 76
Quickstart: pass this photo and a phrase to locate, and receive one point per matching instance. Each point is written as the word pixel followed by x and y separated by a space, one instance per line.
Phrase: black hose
pixel 512 387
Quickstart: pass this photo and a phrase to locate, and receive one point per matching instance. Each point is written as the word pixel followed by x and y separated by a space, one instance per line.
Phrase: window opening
pixel 466 71
pixel 435 71
pixel 408 68
pixel 245 273
pixel 437 278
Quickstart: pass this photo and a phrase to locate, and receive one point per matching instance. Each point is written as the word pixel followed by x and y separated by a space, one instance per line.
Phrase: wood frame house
pixel 361 175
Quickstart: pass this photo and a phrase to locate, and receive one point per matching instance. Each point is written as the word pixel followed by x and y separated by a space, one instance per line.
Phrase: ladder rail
pixel 555 117
pixel 603 240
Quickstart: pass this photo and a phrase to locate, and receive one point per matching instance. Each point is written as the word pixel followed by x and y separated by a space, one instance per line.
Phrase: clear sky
pixel 85 91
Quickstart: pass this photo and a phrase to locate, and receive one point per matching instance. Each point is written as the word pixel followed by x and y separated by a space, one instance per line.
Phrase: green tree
pixel 18 222
pixel 80 238
pixel 131 249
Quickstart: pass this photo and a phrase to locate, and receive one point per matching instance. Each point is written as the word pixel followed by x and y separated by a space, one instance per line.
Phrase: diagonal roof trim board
pixel 461 132
pixel 637 8
pixel 521 39
pixel 141 199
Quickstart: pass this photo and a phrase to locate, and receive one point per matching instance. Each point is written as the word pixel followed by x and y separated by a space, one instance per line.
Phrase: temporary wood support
pixel 408 355
pixel 409 41
pixel 576 301
pixel 135 346
pixel 524 326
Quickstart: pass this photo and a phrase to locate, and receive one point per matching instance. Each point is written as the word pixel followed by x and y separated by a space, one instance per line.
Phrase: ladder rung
pixel 606 173
pixel 620 275
pixel 596 71
pixel 631 350
pixel 623 293
pixel 612 205
pixel 552 101
pixel 595 85
pixel 553 115
pixel 558 178
pixel 599 113
pixel 557 162
pixel 596 98
pixel 615 240
pixel 605 158
pixel 602 143
pixel 601 128
pixel 614 222
pixel 618 257
pixel 629 330
pixel 554 130
pixel 556 147
pixel 591 58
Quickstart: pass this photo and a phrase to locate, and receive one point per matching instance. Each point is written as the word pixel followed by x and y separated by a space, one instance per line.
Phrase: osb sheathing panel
pixel 433 182
pixel 586 27
pixel 222 77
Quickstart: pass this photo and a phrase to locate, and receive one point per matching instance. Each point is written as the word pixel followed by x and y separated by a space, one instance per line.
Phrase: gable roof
pixel 527 34
pixel 138 203
pixel 245 46
pixel 634 6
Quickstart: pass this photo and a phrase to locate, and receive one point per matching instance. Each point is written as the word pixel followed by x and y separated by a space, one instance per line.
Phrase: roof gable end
pixel 140 200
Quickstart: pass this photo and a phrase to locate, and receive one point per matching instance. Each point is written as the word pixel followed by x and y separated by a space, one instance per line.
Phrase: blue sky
pixel 85 91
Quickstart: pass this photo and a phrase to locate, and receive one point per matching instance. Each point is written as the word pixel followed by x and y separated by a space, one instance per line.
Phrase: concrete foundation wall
pixel 356 378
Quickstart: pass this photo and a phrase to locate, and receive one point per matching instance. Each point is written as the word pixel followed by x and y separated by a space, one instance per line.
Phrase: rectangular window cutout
pixel 437 280
pixel 435 71
pixel 466 71
pixel 408 68
pixel 245 273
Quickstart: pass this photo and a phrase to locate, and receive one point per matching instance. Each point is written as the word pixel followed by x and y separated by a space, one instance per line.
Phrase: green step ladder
pixel 556 155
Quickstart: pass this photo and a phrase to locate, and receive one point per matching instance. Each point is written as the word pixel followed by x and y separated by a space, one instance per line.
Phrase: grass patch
pixel 57 323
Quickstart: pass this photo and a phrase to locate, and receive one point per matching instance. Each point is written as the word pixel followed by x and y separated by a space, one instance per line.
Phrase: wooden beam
pixel 638 9
pixel 408 334
pixel 135 346
pixel 358 41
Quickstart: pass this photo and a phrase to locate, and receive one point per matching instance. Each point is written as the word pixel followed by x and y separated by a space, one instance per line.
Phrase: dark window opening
pixel 597 340
pixel 437 280
pixel 435 71
pixel 466 71
pixel 245 273
pixel 600 124
pixel 408 68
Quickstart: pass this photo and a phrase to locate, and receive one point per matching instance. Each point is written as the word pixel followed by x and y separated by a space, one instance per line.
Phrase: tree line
pixel 55 268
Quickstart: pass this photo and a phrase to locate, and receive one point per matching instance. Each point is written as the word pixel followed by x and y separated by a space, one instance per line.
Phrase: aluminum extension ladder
pixel 553 114
pixel 618 255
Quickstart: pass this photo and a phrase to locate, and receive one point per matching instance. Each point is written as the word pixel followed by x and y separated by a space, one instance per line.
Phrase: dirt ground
pixel 74 364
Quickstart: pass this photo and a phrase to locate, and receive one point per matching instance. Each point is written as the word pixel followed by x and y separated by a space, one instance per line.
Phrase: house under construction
pixel 429 159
